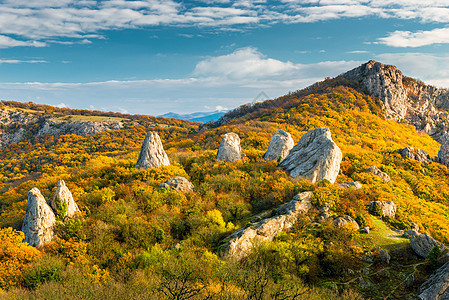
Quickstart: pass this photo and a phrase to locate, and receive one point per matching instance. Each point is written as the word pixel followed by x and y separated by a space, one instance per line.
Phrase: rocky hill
pixel 325 193
pixel 403 98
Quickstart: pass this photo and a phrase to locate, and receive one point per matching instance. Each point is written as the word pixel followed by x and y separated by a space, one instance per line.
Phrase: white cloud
pixel 243 64
pixel 62 105
pixel 7 42
pixel 416 39
pixel 17 61
pixel 358 52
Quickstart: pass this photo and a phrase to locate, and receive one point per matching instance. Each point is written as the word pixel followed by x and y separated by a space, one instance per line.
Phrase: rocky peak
pixel 39 220
pixel 385 82
pixel 152 154
pixel 404 98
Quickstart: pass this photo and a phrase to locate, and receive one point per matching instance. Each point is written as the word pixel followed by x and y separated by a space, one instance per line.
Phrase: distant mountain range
pixel 197 116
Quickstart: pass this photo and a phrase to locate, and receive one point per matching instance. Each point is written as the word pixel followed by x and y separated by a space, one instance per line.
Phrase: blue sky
pixel 153 56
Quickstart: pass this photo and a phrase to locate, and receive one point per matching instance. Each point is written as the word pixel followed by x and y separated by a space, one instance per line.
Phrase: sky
pixel 156 56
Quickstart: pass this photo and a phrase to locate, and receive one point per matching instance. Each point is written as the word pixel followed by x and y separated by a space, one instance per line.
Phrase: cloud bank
pixel 36 23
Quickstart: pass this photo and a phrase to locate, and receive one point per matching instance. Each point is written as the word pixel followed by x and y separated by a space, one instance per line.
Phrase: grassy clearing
pixel 381 235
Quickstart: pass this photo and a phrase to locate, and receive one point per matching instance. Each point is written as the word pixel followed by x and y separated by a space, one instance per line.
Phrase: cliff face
pixel 404 98
pixel 15 125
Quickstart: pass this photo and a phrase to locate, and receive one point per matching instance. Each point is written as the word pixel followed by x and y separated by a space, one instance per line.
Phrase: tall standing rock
pixel 280 145
pixel 315 157
pixel 39 220
pixel 62 201
pixel 152 154
pixel 229 149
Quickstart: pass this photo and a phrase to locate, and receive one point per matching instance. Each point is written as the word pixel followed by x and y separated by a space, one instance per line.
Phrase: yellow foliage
pixel 14 256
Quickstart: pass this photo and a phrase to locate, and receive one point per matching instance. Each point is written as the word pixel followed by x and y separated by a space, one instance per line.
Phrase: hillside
pixel 134 239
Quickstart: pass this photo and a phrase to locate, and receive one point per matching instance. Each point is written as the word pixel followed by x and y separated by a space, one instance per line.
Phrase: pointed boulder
pixel 229 149
pixel 39 220
pixel 152 154
pixel 315 157
pixel 280 145
pixel 62 202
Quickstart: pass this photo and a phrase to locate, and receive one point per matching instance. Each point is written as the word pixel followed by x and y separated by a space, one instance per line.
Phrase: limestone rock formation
pixel 388 208
pixel 177 183
pixel 315 157
pixel 240 242
pixel 376 171
pixel 39 220
pixel 414 226
pixel 280 145
pixel 62 202
pixel 152 154
pixel 229 149
pixel 416 154
pixel 352 185
pixel 405 98
pixel 384 82
pixel 437 286
pixel 345 221
pixel 422 244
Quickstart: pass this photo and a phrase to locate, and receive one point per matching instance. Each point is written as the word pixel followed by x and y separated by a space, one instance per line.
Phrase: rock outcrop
pixel 315 157
pixel 280 145
pixel 152 154
pixel 177 183
pixel 240 242
pixel 62 202
pixel 409 233
pixel 53 127
pixel 229 149
pixel 416 154
pixel 437 286
pixel 39 220
pixel 376 171
pixel 346 221
pixel 352 185
pixel 387 208
pixel 422 244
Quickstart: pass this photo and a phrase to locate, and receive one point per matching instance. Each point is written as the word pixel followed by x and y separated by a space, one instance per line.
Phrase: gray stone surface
pixel 437 286
pixel 178 183
pixel 352 185
pixel 229 149
pixel 409 233
pixel 340 222
pixel 388 208
pixel 240 242
pixel 63 194
pixel 152 154
pixel 416 154
pixel 39 220
pixel 414 226
pixel 280 145
pixel 315 157
pixel 422 244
